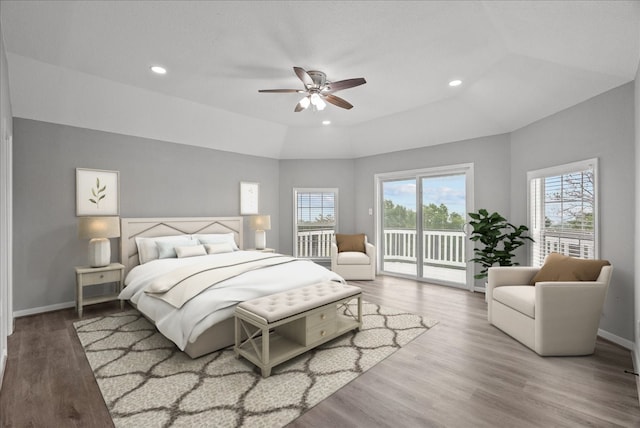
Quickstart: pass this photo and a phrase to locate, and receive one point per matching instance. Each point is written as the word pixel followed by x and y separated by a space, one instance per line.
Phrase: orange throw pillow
pixel 350 242
pixel 564 268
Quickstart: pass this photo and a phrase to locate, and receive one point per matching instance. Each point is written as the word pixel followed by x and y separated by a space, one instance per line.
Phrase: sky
pixel 448 190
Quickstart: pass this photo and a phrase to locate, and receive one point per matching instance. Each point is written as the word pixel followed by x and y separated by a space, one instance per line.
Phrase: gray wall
pixel 490 156
pixel 157 179
pixel 601 127
pixel 333 173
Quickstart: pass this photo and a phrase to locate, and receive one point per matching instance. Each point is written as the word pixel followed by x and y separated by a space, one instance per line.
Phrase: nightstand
pixel 264 250
pixel 86 276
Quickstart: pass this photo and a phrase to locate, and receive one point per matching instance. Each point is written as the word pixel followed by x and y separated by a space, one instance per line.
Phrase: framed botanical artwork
pixel 249 193
pixel 97 192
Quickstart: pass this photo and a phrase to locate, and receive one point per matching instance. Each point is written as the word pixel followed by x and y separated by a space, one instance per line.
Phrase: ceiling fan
pixel 318 90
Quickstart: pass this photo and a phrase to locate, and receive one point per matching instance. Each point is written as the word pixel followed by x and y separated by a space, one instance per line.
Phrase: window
pixel 315 222
pixel 563 211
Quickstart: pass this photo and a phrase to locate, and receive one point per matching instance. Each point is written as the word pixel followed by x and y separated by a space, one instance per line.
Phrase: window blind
pixel 562 211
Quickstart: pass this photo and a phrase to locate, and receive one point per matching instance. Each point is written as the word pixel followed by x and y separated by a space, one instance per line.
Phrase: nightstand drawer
pixel 100 277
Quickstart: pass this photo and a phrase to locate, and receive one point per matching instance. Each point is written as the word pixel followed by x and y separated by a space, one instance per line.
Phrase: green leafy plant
pixel 499 240
pixel 98 193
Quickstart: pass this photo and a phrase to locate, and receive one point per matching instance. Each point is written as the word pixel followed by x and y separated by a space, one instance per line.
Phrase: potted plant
pixel 499 240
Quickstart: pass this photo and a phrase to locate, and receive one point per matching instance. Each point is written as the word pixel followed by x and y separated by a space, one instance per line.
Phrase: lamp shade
pixel 261 222
pixel 98 227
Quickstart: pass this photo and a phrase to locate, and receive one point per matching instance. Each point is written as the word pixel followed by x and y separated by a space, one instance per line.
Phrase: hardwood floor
pixel 461 373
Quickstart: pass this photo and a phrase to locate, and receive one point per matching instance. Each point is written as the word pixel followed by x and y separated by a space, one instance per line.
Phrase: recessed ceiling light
pixel 455 83
pixel 326 122
pixel 158 70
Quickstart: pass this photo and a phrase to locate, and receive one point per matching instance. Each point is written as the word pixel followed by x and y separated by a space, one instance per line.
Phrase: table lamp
pixel 99 230
pixel 261 223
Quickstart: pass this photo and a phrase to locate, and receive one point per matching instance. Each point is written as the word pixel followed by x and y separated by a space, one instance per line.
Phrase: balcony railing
pixel 576 244
pixel 314 244
pixel 444 248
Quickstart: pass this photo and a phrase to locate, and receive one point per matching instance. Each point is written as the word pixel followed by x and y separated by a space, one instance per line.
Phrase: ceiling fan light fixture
pixel 304 103
pixel 317 102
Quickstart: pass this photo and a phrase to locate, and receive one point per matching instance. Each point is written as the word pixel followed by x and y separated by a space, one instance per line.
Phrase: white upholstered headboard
pixel 130 228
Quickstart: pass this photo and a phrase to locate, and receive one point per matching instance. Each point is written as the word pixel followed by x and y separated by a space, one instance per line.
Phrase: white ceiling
pixel 519 62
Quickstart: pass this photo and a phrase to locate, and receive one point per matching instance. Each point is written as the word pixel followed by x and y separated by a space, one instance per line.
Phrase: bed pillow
pixel 564 268
pixel 167 249
pixel 148 250
pixel 190 251
pixel 223 247
pixel 350 242
pixel 218 238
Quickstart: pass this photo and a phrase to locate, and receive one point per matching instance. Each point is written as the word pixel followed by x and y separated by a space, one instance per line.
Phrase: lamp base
pixel 99 252
pixel 261 240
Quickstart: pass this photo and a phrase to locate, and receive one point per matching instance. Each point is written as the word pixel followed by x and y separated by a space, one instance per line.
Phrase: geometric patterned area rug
pixel 146 381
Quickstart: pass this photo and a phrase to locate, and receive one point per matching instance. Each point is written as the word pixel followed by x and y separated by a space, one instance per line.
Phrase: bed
pixel 204 323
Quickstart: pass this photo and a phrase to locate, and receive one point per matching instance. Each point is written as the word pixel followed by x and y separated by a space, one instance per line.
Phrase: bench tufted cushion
pixel 282 305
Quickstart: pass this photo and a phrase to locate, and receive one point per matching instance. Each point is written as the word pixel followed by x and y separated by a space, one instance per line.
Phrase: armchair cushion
pixel 558 267
pixel 351 242
pixel 522 298
pixel 353 258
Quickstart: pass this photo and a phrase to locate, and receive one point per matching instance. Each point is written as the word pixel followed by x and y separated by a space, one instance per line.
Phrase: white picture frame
pixel 249 198
pixel 97 192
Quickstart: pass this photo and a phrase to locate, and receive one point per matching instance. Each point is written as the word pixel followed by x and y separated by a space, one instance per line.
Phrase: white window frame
pixel 297 190
pixel 573 167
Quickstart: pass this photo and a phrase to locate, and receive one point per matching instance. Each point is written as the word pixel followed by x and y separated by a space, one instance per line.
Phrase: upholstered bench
pixel 284 325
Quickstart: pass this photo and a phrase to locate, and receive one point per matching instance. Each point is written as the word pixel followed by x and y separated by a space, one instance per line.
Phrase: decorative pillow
pixel 564 268
pixel 218 238
pixel 224 247
pixel 350 242
pixel 167 249
pixel 148 250
pixel 191 251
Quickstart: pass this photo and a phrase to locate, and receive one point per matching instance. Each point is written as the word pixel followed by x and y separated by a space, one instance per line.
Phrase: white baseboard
pixel 43 309
pixel 3 365
pixel 625 343
pixel 636 366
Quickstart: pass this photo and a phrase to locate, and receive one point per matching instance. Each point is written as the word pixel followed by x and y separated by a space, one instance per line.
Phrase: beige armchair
pixel 356 265
pixel 551 318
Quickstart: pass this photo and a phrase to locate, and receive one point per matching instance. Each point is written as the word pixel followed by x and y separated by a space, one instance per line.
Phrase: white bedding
pixel 217 303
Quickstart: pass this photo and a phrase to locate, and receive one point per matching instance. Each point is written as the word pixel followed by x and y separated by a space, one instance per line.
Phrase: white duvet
pixel 218 302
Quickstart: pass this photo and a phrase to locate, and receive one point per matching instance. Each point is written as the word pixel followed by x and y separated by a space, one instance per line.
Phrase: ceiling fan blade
pixel 344 84
pixel 304 76
pixel 281 91
pixel 337 101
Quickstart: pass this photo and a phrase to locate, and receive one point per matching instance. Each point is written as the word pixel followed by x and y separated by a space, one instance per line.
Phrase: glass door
pixel 421 214
pixel 399 221
pixel 443 217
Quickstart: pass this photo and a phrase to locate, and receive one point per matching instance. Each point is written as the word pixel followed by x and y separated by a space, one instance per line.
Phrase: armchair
pixel 356 265
pixel 551 318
